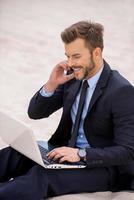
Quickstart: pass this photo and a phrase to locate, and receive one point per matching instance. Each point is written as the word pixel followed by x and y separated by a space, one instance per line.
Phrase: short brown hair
pixel 91 32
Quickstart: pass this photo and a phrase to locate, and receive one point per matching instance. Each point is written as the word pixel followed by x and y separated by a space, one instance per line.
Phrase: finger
pixel 63 159
pixel 54 152
pixel 69 77
pixel 62 65
pixel 51 153
pixel 58 156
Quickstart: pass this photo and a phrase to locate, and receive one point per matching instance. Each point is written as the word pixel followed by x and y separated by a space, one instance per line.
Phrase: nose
pixel 70 62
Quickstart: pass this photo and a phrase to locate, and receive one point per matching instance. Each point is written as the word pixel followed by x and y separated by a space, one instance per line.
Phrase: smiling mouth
pixel 76 68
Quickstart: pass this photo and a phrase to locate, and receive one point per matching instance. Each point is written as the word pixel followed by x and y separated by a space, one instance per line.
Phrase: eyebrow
pixel 76 54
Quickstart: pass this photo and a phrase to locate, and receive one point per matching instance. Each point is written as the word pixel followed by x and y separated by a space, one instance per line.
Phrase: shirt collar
pixel 93 80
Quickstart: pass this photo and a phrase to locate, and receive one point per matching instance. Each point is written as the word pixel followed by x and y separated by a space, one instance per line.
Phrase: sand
pixel 30 46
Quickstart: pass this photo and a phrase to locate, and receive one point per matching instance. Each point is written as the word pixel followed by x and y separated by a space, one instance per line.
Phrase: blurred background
pixel 30 46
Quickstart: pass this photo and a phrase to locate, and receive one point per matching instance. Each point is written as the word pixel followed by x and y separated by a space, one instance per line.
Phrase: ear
pixel 97 53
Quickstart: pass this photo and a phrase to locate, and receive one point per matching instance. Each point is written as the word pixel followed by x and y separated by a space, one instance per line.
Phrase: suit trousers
pixel 23 179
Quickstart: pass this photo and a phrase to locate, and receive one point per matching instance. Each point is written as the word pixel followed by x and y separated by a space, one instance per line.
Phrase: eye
pixel 77 57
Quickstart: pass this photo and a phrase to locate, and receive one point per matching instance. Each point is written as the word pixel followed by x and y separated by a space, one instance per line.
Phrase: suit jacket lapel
pixel 100 85
pixel 96 95
pixel 73 91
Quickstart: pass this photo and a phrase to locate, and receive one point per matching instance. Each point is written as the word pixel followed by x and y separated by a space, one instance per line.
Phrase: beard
pixel 89 69
pixel 86 71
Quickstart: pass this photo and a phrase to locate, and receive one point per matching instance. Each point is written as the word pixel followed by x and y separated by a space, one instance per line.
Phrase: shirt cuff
pixel 46 94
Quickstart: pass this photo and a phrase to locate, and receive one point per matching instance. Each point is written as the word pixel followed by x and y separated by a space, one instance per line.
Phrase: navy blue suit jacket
pixel 109 123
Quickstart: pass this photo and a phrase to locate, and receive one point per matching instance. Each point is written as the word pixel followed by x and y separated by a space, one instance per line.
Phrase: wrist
pixel 50 87
pixel 82 154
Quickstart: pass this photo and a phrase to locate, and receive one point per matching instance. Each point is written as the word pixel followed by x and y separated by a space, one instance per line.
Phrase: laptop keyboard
pixel 48 161
pixel 44 152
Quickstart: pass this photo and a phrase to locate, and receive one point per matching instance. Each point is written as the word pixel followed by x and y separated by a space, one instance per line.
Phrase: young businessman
pixel 97 125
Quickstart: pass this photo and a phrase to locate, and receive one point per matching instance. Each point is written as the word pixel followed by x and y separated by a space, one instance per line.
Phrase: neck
pixel 95 70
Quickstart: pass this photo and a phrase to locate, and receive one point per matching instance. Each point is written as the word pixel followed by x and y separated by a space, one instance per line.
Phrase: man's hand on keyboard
pixel 63 154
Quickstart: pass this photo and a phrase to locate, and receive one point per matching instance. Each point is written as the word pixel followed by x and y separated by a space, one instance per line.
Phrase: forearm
pixel 41 106
pixel 109 156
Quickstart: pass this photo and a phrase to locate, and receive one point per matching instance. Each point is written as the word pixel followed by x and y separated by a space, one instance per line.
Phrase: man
pixel 98 129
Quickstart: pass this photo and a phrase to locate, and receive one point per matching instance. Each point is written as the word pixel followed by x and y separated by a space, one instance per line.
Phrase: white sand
pixel 30 46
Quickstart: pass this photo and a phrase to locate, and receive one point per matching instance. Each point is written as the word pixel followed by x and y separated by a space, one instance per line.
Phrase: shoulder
pixel 120 80
pixel 121 93
pixel 115 81
pixel 120 84
pixel 117 89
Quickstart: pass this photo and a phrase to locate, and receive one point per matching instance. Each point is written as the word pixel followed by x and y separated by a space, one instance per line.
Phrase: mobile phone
pixel 70 71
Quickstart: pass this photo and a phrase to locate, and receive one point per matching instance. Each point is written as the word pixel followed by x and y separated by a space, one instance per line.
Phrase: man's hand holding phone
pixel 58 76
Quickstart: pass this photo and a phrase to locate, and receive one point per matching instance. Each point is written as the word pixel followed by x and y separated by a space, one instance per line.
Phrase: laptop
pixel 20 137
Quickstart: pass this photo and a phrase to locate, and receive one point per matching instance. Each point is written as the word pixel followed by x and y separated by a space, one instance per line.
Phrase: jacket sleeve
pixel 122 151
pixel 41 107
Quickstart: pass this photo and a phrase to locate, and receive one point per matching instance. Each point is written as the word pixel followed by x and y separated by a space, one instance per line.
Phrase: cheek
pixel 83 71
pixel 85 62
